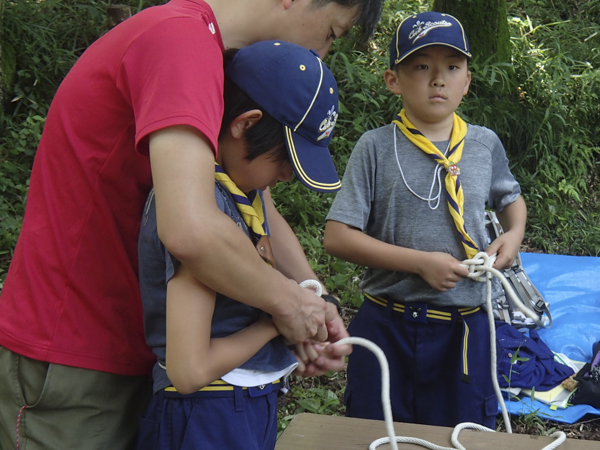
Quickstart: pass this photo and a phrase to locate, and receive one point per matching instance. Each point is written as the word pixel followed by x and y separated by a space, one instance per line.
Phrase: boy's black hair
pixel 370 12
pixel 266 136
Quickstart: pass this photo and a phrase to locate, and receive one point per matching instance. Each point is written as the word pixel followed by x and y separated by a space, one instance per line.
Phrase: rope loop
pixel 478 264
pixel 313 285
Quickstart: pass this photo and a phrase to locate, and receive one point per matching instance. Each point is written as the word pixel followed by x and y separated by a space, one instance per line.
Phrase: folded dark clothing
pixel 534 366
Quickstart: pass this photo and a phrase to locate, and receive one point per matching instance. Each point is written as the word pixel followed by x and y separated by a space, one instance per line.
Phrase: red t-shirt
pixel 71 295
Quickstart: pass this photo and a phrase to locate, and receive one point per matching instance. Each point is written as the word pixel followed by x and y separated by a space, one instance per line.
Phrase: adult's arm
pixel 288 253
pixel 211 246
pixel 440 270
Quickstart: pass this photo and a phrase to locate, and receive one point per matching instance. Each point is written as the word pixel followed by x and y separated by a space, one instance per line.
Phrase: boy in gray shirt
pixel 390 216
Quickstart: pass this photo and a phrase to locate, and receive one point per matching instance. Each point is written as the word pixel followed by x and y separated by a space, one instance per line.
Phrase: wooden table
pixel 317 432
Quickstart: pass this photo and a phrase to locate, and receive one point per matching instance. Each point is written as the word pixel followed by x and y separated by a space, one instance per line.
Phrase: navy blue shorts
pixel 439 362
pixel 244 418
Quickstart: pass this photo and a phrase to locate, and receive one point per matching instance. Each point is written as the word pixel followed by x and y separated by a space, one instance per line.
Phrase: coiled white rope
pixel 479 266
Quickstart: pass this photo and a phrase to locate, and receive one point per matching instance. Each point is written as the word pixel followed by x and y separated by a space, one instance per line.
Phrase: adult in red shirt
pixel 142 106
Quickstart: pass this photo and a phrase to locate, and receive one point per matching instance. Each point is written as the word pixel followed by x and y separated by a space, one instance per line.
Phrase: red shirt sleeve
pixel 174 84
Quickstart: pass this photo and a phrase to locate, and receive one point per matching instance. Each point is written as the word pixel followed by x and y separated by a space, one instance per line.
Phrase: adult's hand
pixel 319 358
pixel 303 318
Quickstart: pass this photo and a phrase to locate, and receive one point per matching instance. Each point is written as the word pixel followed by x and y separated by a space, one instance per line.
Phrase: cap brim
pixel 431 44
pixel 312 163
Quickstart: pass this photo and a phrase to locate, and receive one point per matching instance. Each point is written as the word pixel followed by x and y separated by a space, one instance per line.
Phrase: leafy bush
pixel 545 110
pixel 317 395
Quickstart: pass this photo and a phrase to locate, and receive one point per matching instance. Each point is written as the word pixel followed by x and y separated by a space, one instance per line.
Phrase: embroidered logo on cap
pixel 328 124
pixel 420 29
pixel 211 27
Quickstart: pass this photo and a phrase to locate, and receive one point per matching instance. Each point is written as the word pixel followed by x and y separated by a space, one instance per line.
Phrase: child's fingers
pixel 503 261
pixel 301 355
pixel 300 370
pixel 311 351
pixel 336 351
pixel 326 364
pixel 461 271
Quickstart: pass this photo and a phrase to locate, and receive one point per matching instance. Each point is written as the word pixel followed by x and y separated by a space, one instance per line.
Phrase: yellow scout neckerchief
pixel 251 209
pixel 453 186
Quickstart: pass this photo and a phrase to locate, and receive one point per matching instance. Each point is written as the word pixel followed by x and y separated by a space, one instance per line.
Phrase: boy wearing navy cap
pixel 221 363
pixel 390 216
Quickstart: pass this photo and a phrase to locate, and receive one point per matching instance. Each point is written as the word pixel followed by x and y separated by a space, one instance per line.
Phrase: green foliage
pixel 8 61
pixel 15 178
pixel 319 395
pixel 549 124
pixel 306 211
pixel 514 359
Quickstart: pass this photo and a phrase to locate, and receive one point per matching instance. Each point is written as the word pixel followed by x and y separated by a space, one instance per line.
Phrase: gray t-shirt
pixel 376 199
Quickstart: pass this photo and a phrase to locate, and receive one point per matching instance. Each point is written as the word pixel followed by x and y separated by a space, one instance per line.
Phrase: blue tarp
pixel 571 285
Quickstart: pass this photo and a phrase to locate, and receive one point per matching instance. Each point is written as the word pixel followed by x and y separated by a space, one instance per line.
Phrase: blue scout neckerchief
pixel 453 186
pixel 251 209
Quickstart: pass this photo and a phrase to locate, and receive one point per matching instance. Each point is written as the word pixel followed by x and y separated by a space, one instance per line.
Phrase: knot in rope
pixel 479 266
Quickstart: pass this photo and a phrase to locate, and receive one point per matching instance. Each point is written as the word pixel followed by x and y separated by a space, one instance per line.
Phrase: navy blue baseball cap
pixel 425 29
pixel 294 86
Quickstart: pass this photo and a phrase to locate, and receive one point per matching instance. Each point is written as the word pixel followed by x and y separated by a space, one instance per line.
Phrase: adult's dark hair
pixel 370 12
pixel 266 135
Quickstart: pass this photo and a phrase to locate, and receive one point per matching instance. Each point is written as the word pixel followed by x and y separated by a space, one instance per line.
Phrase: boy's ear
pixel 286 3
pixel 243 122
pixel 466 89
pixel 391 81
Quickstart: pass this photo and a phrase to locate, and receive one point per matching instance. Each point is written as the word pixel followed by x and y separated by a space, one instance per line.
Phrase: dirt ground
pixel 588 430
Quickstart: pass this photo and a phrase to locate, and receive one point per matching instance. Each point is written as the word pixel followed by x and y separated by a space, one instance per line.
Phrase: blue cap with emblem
pixel 425 29
pixel 294 86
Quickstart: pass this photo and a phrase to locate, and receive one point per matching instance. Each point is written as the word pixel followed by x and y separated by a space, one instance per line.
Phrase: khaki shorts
pixel 51 406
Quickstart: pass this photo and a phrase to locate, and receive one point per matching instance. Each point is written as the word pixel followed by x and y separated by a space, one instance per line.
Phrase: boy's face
pixel 315 27
pixel 432 83
pixel 262 172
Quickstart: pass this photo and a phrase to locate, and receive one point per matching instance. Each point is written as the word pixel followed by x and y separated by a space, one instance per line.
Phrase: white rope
pixel 479 266
pixel 436 174
pixel 313 285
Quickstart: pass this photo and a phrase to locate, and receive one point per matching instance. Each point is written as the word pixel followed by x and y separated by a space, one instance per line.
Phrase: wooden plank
pixel 317 432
